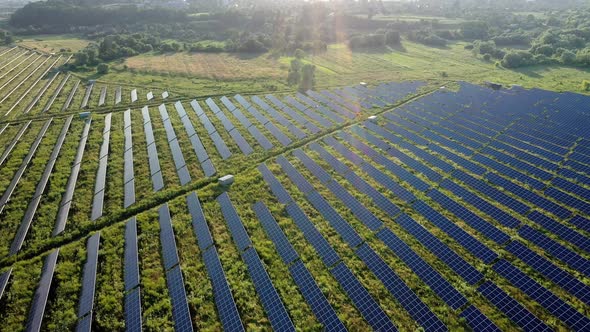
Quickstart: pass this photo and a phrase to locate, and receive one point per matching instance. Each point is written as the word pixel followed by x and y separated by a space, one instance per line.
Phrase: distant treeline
pixel 41 14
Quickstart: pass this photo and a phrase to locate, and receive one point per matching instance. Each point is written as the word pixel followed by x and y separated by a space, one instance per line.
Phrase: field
pixel 341 66
pixel 53 43
pixel 415 202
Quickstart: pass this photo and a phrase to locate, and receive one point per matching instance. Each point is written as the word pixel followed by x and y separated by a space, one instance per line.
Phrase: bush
pixel 367 41
pixel 516 59
pixel 568 57
pixel 393 38
pixel 252 46
pixel 102 69
pixel 585 85
pixel 487 57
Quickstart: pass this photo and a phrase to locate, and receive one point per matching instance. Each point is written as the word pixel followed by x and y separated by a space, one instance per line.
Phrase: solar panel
pixel 575 320
pixel 469 217
pixel 37 311
pixel 568 200
pixel 133 311
pixel 422 269
pixel 282 138
pixel 514 310
pixel 226 306
pixel 273 306
pixel 560 230
pixel 477 321
pixel 396 286
pixel 312 235
pixel 208 168
pixel 234 222
pixel 556 250
pixel 571 187
pixel 89 276
pixel 4 277
pixel 441 250
pixel 550 271
pixel 481 204
pixel 167 240
pixel 529 196
pixel 467 241
pixel 348 234
pixel 131 259
pixel 85 324
pixel 118 95
pixel 362 300
pixel 241 142
pixel 180 310
pixel 133 95
pixel 200 226
pixel 315 298
pixel 149 96
pixel 302 184
pixel 274 232
pixel 260 138
pixel 357 208
pixel 581 223
pixel 275 186
pixel 222 148
pixel 103 95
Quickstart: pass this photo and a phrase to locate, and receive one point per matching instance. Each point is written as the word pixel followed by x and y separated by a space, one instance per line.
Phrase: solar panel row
pixel 128 175
pixel 40 189
pixel 153 159
pixel 37 311
pixel 177 156
pixel 86 302
pixel 66 201
pixel 196 143
pixel 570 316
pixel 219 143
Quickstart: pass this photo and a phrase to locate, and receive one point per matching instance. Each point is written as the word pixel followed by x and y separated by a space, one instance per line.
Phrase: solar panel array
pixel 154 160
pixel 86 302
pixel 40 298
pixel 177 156
pixel 101 174
pixel 180 310
pixel 219 143
pixel 128 173
pixel 273 306
pixel 196 142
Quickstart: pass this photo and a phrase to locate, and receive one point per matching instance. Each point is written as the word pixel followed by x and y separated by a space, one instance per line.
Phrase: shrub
pixel 102 69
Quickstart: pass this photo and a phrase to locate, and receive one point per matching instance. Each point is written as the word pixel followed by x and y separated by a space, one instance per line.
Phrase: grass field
pixel 53 43
pixel 340 66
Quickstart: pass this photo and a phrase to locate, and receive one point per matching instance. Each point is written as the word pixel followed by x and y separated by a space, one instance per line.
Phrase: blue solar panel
pixel 180 310
pixel 556 250
pixel 4 277
pixel 422 269
pixel 282 138
pixel 468 242
pixel 481 204
pixel 200 226
pixel 508 160
pixel 469 217
pixel 208 168
pixel 302 184
pixel 275 186
pixel 508 171
pixel 387 163
pixel 343 228
pixel 575 320
pixel 260 138
pixel 357 208
pixel 581 223
pixel 312 166
pixel 241 142
pixel 362 300
pixel 89 276
pixel 131 259
pixel 314 297
pixel 441 250
pixel 273 306
pixel 477 321
pixel 529 196
pixel 226 306
pixel 514 310
pixel 550 271
pixel 396 286
pixel 493 193
pixel 167 240
pixel 222 148
pixel 234 222
pixel 273 230
pixel 133 311
pixel 572 188
pixel 312 235
pixel 85 324
pixel 560 230
pixel 569 200
pixel 37 311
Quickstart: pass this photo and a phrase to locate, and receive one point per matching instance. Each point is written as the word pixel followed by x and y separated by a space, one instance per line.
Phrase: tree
pixel 307 78
pixel 294 76
pixel 102 69
pixel 568 57
pixel 393 38
pixel 81 58
pixel 474 30
pixel 299 53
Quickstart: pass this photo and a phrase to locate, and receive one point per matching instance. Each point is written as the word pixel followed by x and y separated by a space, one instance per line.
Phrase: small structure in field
pixel 226 180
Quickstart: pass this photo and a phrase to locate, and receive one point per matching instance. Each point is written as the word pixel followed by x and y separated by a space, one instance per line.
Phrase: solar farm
pixel 390 206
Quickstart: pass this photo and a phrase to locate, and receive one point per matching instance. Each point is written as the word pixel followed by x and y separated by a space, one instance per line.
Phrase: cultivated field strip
pixel 459 210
